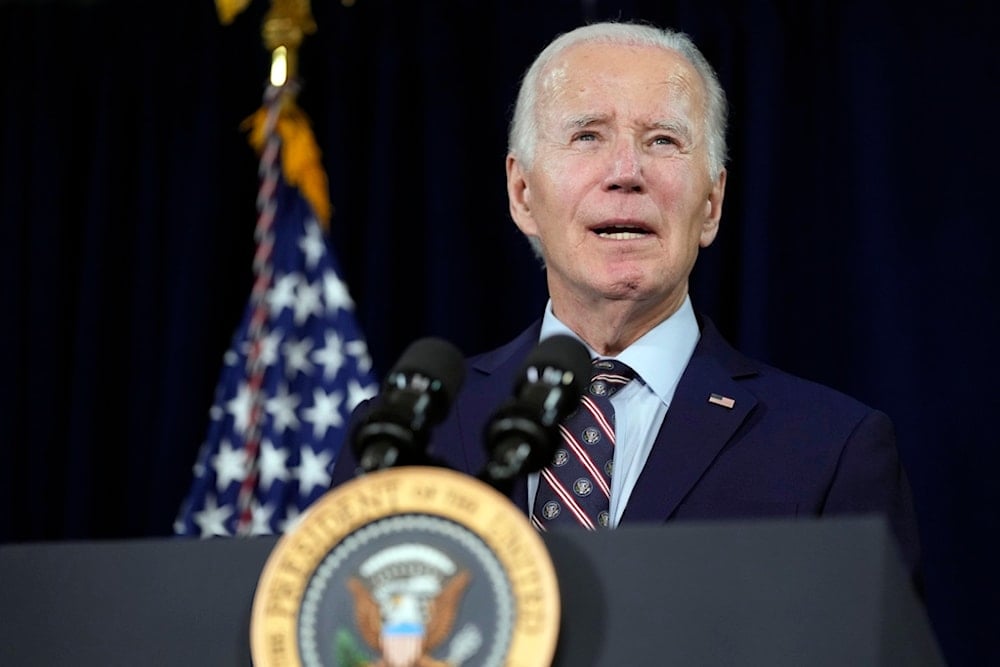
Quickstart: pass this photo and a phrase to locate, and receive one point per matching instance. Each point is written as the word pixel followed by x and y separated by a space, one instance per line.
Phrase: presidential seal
pixel 414 566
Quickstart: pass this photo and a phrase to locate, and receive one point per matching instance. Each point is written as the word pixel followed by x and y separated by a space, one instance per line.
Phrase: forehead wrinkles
pixel 685 102
pixel 553 85
pixel 673 87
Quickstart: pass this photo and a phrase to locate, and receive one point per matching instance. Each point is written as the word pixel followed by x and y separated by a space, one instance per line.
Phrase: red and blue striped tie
pixel 575 489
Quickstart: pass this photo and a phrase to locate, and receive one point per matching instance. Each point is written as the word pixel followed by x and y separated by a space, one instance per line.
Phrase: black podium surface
pixel 774 593
pixel 170 601
pixel 771 593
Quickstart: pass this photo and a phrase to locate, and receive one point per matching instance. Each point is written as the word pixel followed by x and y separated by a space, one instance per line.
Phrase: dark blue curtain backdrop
pixel 858 245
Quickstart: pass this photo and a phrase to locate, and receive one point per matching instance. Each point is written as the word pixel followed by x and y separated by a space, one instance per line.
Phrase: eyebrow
pixel 679 127
pixel 586 120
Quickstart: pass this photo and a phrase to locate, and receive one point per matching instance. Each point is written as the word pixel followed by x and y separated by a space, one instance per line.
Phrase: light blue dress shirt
pixel 659 358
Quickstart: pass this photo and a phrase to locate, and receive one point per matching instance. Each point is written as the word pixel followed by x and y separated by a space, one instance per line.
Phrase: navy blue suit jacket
pixel 788 447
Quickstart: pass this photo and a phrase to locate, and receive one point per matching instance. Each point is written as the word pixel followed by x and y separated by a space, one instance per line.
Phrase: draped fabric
pixel 858 244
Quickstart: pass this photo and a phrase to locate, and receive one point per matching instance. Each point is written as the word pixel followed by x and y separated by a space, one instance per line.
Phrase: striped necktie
pixel 575 489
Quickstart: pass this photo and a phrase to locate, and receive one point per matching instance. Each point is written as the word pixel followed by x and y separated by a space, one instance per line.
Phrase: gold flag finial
pixel 285 26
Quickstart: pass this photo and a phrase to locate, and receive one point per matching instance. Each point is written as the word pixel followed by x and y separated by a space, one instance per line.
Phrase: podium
pixel 799 592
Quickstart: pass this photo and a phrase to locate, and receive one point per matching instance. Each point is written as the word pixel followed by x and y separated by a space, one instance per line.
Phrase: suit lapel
pixel 694 431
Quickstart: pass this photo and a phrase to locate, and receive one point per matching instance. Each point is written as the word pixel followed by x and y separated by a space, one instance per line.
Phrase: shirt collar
pixel 659 356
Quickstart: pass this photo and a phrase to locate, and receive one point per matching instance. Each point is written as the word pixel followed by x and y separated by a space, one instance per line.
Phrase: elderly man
pixel 616 175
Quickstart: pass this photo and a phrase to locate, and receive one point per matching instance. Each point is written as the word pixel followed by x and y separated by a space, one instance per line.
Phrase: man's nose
pixel 625 171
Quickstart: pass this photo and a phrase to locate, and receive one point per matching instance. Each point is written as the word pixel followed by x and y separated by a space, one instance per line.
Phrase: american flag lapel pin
pixel 724 401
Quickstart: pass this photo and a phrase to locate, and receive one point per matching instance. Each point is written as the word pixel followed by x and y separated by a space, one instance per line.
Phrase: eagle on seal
pixel 403 628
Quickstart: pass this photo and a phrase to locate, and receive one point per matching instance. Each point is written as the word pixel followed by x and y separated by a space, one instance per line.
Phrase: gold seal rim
pixel 440 492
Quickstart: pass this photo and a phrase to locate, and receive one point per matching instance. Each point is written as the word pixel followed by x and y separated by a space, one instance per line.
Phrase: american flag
pixel 297 366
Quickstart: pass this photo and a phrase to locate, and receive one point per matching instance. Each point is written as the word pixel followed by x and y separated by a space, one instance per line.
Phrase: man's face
pixel 618 193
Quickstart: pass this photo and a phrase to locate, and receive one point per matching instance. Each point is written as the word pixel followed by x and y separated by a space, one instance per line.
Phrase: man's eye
pixel 664 141
pixel 585 136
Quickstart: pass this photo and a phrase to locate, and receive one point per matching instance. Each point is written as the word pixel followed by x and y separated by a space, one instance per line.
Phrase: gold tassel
pixel 228 10
pixel 301 161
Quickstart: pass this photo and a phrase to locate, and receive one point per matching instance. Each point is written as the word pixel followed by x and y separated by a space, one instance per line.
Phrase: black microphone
pixel 416 394
pixel 522 435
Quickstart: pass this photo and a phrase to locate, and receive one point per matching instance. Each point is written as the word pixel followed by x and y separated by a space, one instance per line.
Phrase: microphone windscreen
pixel 436 359
pixel 565 353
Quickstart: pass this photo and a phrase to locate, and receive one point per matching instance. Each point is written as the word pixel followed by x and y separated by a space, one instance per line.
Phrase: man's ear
pixel 519 197
pixel 713 210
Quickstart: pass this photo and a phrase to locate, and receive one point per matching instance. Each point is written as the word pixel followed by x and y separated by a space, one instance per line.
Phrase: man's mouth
pixel 621 232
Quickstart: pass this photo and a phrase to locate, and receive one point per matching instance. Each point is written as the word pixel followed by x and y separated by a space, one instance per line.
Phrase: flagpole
pixel 284 27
